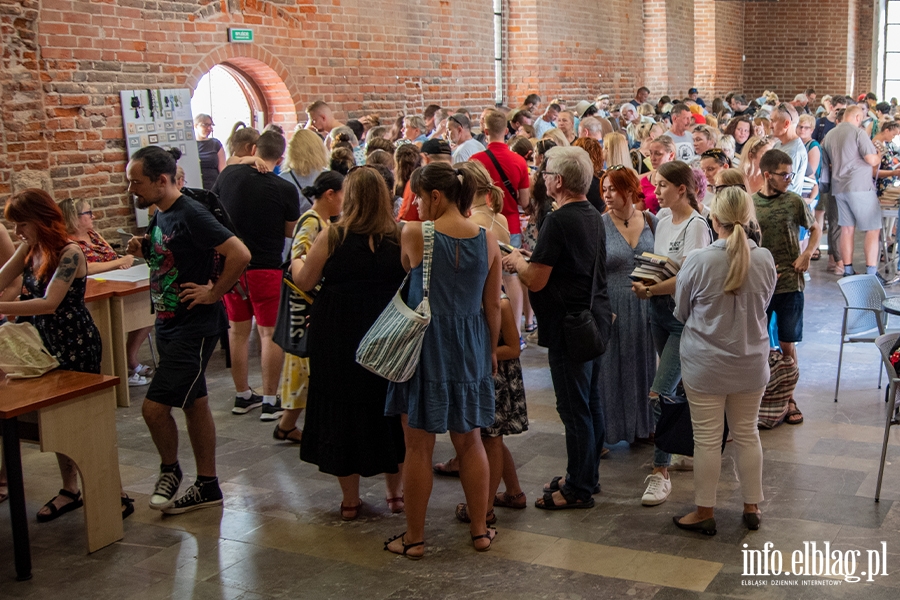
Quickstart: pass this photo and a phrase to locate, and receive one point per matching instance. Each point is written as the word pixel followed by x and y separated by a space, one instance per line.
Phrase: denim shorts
pixel 515 240
pixel 789 309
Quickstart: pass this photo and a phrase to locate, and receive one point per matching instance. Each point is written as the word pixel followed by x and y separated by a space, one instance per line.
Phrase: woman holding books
pixel 681 230
pixel 721 298
pixel 629 363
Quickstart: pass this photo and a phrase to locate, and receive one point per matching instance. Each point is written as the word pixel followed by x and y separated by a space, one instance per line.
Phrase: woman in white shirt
pixel 679 231
pixel 721 297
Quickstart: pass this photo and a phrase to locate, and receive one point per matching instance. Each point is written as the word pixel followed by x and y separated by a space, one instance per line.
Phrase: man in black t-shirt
pixel 569 261
pixel 264 209
pixel 180 247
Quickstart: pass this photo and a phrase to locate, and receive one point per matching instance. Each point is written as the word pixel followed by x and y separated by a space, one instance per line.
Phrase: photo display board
pixel 161 118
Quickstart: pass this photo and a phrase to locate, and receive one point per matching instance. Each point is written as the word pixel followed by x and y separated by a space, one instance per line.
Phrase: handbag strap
pixel 428 235
pixel 506 182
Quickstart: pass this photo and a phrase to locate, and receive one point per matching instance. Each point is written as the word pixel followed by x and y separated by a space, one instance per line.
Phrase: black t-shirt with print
pixel 181 250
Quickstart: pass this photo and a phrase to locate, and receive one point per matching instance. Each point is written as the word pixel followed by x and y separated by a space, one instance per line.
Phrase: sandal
pixel 284 435
pixel 504 500
pixel 487 536
pixel 406 547
pixel 127 506
pixel 531 327
pixel 462 514
pixel 793 412
pixel 816 255
pixel 444 468
pixel 547 502
pixel 393 502
pixel 350 513
pixel 76 502
pixel 553 486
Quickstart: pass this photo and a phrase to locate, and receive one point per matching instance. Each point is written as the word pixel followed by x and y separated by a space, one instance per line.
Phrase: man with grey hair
pixel 853 160
pixel 784 119
pixel 567 274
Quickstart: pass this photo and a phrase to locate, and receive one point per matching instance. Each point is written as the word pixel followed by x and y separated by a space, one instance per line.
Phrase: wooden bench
pixel 76 416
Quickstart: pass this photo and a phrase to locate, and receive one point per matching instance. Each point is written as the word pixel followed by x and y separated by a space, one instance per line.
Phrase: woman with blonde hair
pixel 306 158
pixel 644 135
pixel 749 163
pixel 241 143
pixel 762 126
pixel 662 150
pixel 557 136
pixel 721 296
pixel 615 145
pixel 488 201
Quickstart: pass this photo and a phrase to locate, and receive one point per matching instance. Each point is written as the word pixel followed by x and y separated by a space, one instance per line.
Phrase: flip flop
pixel 547 503
pixel 55 513
pixel 441 469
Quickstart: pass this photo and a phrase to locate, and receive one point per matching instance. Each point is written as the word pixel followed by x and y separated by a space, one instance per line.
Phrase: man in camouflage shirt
pixel 781 214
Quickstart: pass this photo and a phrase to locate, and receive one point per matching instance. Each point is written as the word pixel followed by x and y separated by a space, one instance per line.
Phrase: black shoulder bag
pixel 584 340
pixel 506 182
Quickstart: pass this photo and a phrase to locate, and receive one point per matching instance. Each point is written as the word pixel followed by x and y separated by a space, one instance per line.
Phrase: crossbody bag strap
pixel 506 182
pixel 428 235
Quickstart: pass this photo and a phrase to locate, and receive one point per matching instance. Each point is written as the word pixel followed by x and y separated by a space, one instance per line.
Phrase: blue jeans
pixel 666 331
pixel 578 388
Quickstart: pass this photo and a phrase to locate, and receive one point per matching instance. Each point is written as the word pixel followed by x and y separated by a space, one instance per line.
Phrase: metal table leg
pixel 13 457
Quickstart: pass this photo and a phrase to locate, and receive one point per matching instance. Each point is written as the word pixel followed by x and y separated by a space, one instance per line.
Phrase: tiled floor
pixel 280 534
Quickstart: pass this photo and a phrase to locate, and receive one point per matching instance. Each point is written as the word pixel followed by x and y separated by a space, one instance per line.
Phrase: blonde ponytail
pixel 733 210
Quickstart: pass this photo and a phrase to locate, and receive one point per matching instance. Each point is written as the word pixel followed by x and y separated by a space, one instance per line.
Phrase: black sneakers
pixel 271 412
pixel 242 406
pixel 199 495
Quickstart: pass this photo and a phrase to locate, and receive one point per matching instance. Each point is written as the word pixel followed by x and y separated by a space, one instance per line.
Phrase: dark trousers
pixel 578 389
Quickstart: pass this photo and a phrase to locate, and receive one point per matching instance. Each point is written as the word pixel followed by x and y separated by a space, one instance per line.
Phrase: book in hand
pixel 653 268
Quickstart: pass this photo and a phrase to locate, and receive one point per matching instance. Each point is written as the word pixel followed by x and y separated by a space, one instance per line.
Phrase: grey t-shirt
pixel 684 145
pixel 847 146
pixel 466 150
pixel 797 151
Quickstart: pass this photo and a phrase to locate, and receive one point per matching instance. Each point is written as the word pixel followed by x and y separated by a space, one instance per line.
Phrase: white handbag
pixel 393 345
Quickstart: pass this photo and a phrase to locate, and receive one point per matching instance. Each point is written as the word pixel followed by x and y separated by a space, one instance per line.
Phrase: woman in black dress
pixel 211 151
pixel 54 273
pixel 346 433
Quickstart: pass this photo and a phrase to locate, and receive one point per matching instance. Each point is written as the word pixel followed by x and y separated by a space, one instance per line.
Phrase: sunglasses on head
pixel 616 168
pixel 724 186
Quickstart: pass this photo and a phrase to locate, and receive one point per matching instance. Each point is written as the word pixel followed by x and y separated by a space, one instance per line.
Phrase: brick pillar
pixel 668 46
pixel 23 145
pixel 718 47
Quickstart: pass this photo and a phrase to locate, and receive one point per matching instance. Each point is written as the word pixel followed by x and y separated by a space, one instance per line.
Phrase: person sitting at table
pixel 7 249
pixel 54 273
pixel 102 258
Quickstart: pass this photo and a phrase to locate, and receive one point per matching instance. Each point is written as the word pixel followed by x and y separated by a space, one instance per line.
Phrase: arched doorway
pixel 229 96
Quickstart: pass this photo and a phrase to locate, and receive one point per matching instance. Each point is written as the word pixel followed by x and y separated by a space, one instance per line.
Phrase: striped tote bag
pixel 392 346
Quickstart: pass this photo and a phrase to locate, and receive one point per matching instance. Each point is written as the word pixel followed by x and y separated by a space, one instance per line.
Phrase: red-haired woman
pixel 54 272
pixel 629 364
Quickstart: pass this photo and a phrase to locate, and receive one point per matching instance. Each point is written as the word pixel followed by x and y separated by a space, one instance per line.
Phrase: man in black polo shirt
pixel 264 209
pixel 180 247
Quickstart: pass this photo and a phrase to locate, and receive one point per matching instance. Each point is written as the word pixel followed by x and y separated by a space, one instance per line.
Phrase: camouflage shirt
pixel 780 219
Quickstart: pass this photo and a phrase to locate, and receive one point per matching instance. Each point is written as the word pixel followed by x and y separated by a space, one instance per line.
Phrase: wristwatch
pixel 648 292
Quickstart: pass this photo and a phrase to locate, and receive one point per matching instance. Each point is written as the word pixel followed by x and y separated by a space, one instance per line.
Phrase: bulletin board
pixel 161 118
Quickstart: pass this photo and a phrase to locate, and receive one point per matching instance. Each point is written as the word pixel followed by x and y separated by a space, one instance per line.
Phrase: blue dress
pixel 452 387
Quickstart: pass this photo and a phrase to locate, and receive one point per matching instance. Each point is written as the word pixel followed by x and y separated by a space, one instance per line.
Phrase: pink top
pixel 650 200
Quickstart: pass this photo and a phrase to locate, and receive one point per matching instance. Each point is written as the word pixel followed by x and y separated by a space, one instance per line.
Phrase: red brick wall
pixel 669 33
pixel 718 47
pixel 865 38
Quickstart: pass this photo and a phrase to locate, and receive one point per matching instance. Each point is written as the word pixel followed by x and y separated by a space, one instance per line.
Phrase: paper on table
pixel 134 274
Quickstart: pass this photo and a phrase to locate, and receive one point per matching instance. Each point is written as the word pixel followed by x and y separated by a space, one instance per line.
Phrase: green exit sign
pixel 240 35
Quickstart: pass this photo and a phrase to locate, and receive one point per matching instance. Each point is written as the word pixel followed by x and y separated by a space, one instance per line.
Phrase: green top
pixel 780 218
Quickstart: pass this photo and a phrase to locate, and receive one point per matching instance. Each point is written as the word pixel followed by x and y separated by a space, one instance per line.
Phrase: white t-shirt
pixel 675 241
pixel 467 150
pixel 684 145
pixel 800 162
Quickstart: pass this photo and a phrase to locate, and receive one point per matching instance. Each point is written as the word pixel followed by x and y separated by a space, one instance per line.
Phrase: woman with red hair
pixel 629 363
pixel 54 273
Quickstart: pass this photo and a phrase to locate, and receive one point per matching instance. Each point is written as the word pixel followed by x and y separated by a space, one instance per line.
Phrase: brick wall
pixel 65 61
pixel 865 38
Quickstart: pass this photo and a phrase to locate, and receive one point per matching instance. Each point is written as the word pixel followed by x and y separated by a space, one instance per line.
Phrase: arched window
pixel 229 96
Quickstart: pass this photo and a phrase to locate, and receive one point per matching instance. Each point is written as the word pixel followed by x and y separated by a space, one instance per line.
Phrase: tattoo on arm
pixel 68 265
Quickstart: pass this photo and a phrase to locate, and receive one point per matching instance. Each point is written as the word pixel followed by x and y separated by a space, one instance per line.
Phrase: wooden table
pixel 76 416
pixel 118 307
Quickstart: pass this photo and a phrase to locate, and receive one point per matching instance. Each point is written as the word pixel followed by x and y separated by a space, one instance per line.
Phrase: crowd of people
pixel 515 226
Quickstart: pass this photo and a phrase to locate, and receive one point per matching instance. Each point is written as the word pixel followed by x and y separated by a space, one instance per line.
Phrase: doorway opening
pixel 229 96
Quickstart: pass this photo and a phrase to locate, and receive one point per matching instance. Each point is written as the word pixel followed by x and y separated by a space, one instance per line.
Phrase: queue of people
pixel 510 240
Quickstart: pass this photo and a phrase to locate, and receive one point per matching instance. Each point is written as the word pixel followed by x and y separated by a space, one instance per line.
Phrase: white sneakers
pixel 658 489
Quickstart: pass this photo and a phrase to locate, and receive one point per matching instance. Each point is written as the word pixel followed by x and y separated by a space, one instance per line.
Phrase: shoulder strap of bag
pixel 506 182
pixel 428 234
pixel 297 183
pixel 649 222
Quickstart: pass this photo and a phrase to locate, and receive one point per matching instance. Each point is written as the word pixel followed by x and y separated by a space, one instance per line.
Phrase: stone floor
pixel 280 534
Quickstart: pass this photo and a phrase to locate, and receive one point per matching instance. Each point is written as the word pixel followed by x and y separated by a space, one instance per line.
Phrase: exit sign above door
pixel 240 35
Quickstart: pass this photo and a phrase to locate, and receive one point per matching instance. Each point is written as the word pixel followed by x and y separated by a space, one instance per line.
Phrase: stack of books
pixel 653 268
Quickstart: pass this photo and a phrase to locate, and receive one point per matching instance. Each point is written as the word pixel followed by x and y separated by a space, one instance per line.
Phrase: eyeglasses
pixel 725 186
pixel 551 173
pixel 785 176
pixel 87 212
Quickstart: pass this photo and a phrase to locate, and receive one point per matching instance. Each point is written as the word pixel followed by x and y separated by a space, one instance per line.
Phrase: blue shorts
pixel 788 307
pixel 515 240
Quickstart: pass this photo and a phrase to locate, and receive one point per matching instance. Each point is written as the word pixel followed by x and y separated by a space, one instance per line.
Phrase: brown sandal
pixel 505 500
pixel 284 435
pixel 462 514
pixel 350 513
pixel 393 502
pixel 793 412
